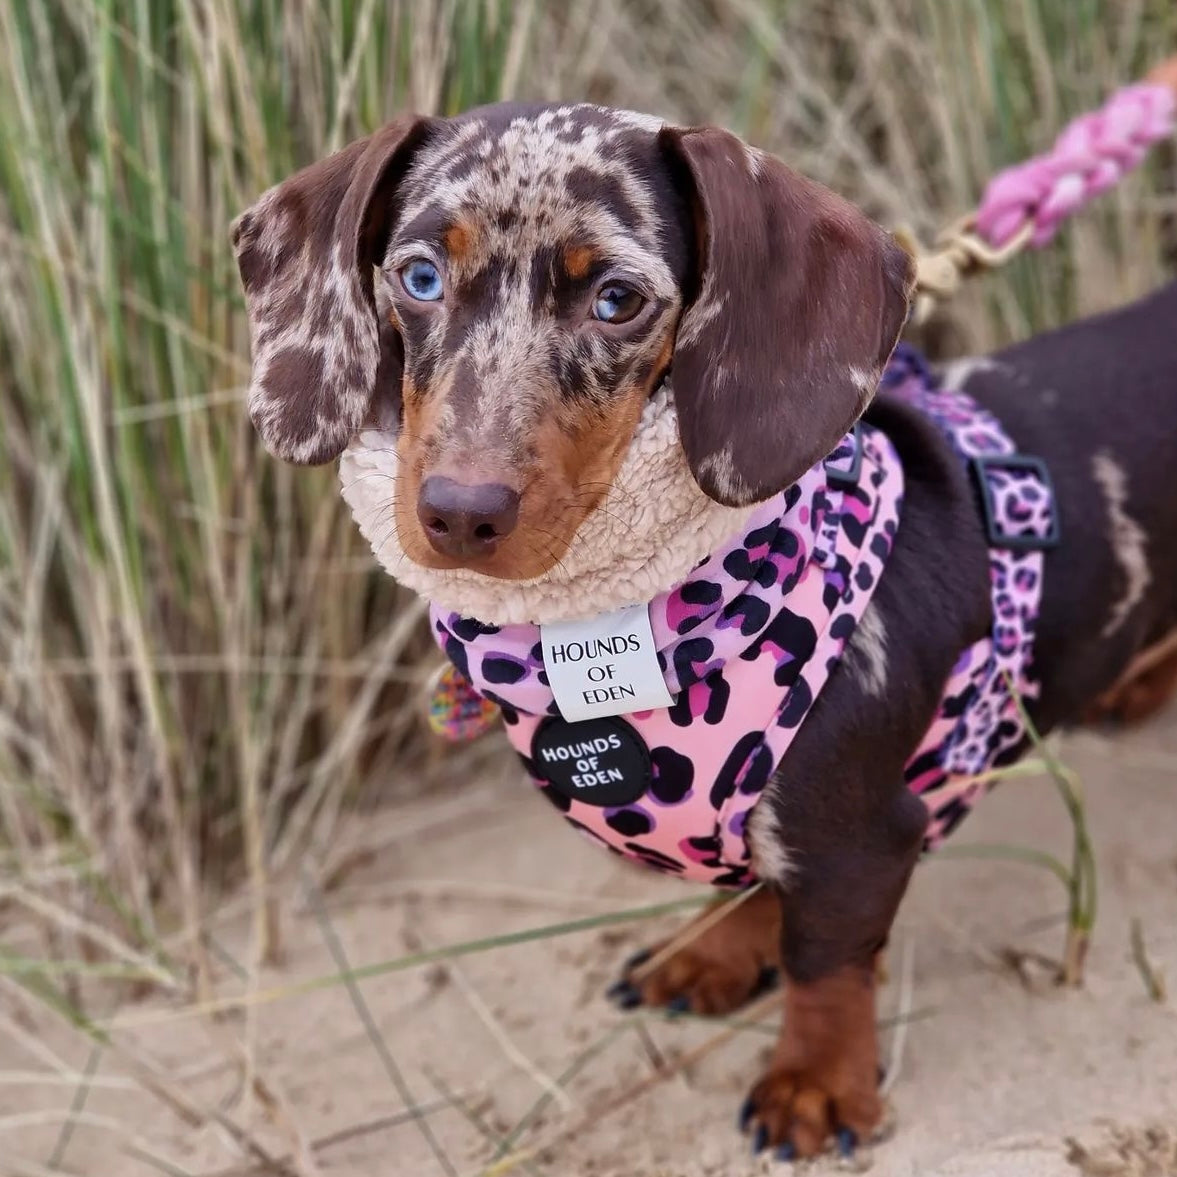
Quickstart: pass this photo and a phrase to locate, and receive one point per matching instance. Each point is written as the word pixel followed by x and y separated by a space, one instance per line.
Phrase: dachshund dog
pixel 481 312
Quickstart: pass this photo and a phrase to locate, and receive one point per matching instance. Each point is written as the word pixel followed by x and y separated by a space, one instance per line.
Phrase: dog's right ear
pixel 800 301
pixel 306 251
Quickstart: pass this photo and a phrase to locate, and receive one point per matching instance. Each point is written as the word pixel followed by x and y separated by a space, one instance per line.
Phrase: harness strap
pixel 979 726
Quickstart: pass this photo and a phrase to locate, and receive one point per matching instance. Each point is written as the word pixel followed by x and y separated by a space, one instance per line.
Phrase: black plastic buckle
pixel 846 479
pixel 980 465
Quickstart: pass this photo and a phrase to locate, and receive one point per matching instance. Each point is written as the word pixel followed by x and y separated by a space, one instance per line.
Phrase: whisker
pixel 548 553
pixel 381 507
pixel 377 543
pixel 604 511
pixel 618 519
pixel 371 474
pixel 620 497
pixel 554 560
pixel 380 449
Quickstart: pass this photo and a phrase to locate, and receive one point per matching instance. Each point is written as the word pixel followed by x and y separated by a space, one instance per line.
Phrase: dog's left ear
pixel 306 252
pixel 799 301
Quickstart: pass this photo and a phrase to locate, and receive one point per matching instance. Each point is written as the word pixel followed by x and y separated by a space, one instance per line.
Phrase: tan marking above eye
pixel 578 259
pixel 460 240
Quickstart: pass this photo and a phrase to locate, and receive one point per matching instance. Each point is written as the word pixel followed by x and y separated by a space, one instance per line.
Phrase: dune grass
pixel 200 670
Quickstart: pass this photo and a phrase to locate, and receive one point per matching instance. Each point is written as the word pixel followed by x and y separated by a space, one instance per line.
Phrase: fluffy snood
pixel 651 529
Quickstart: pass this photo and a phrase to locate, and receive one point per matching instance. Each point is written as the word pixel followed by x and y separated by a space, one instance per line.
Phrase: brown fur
pixel 1149 682
pixel 461 243
pixel 823 1074
pixel 305 252
pixel 786 261
pixel 578 259
pixel 719 967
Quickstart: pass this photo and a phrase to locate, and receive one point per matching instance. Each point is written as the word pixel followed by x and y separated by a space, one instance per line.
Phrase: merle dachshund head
pixel 504 291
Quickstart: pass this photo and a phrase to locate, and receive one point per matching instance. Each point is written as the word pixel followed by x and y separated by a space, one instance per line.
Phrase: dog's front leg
pixel 824 1072
pixel 846 877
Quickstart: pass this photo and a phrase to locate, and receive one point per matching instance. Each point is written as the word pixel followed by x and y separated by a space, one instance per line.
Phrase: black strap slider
pixel 982 465
pixel 846 477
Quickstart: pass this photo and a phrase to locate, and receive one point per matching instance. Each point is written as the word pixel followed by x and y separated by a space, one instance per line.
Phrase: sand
pixel 997 1072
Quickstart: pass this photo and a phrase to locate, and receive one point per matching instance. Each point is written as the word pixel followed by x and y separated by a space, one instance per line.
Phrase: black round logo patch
pixel 598 761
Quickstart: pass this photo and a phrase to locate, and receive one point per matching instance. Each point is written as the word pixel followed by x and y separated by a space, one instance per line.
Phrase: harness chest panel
pixel 745 645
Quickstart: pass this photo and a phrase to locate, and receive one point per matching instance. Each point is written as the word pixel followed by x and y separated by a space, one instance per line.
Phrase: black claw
pixel 624 995
pixel 769 977
pixel 760 1140
pixel 881 1074
pixel 678 1005
pixel 639 957
pixel 747 1111
pixel 787 1151
pixel 847 1140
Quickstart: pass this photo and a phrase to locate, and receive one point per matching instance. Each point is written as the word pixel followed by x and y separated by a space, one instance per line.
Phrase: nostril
pixel 460 519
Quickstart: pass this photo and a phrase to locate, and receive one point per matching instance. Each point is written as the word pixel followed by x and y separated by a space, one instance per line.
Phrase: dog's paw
pixel 691 981
pixel 726 957
pixel 796 1115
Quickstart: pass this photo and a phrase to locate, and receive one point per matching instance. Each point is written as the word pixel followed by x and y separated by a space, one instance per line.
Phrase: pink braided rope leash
pixel 1087 159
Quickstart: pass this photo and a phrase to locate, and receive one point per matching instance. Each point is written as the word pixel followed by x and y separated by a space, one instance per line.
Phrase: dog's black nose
pixel 465 521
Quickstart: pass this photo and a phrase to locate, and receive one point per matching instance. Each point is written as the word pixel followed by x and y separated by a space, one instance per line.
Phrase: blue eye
pixel 617 303
pixel 421 280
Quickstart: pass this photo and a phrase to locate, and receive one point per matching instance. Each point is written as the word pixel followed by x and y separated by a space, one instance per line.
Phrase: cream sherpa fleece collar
pixel 654 526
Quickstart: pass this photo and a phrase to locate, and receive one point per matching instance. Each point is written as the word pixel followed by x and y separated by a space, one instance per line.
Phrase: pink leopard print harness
pixel 746 643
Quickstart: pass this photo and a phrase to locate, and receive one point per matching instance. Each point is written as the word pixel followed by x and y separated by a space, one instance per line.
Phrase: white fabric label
pixel 604 666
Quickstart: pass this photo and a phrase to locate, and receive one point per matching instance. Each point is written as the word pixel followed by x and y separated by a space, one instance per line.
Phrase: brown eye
pixel 617 303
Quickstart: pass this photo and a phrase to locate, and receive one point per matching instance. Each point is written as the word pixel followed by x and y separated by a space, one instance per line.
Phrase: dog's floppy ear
pixel 306 251
pixel 799 301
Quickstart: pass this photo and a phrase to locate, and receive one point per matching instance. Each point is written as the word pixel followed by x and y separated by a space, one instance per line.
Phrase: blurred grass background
pixel 199 666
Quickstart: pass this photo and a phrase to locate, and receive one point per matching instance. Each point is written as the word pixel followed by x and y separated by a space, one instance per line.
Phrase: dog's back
pixel 1097 400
